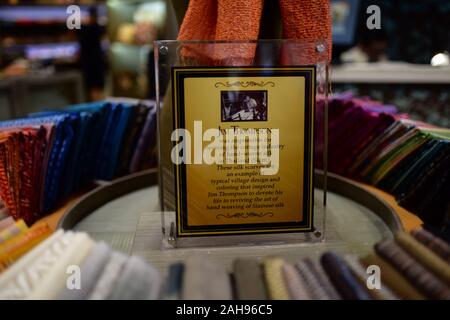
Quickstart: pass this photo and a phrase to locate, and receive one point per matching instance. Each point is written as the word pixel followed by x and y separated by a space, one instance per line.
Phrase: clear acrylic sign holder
pixel 263 53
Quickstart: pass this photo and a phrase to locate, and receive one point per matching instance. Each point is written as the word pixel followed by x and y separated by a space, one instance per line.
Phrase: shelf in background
pixel 390 72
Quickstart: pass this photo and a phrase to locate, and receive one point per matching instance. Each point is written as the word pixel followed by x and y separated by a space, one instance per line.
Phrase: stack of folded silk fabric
pixel 38 264
pixel 69 266
pixel 372 143
pixel 410 266
pixel 47 156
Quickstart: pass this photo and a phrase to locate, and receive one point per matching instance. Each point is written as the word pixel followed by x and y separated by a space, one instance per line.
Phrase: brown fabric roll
pixel 425 281
pixel 435 244
pixel 426 257
pixel 249 280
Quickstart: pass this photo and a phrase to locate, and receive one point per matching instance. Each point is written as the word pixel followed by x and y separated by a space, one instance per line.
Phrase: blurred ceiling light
pixel 440 59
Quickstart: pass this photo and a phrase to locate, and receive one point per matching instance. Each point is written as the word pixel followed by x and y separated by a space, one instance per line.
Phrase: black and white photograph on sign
pixel 243 105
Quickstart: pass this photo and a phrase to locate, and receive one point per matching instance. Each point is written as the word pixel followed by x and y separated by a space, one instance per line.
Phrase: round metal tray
pixel 125 213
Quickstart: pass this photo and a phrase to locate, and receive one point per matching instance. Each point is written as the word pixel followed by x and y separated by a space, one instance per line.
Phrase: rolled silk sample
pixel 249 280
pixel 105 283
pixel 174 282
pixel 276 286
pixel 91 270
pixel 53 282
pixel 393 279
pixel 297 288
pixel 435 244
pixel 425 281
pixel 319 288
pixel 145 142
pixel 137 281
pixel 70 266
pixel 426 257
pixel 382 293
pixel 342 278
pixel 441 233
pixel 22 277
pixel 205 280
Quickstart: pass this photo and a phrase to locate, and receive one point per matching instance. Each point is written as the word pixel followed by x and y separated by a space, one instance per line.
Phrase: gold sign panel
pixel 243 149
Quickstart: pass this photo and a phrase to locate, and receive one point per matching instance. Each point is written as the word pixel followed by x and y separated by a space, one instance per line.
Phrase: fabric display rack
pixel 59 152
pixel 381 147
pixel 41 273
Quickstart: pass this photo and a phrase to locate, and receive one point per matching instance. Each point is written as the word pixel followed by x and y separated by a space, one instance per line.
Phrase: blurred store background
pixel 45 65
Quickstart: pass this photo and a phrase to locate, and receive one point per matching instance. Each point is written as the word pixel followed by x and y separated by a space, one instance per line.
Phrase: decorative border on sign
pixel 244 215
pixel 178 102
pixel 245 84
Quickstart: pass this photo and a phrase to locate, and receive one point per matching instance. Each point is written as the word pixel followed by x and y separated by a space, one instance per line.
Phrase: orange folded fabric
pixel 200 21
pixel 307 20
pixel 221 20
pixel 16 247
